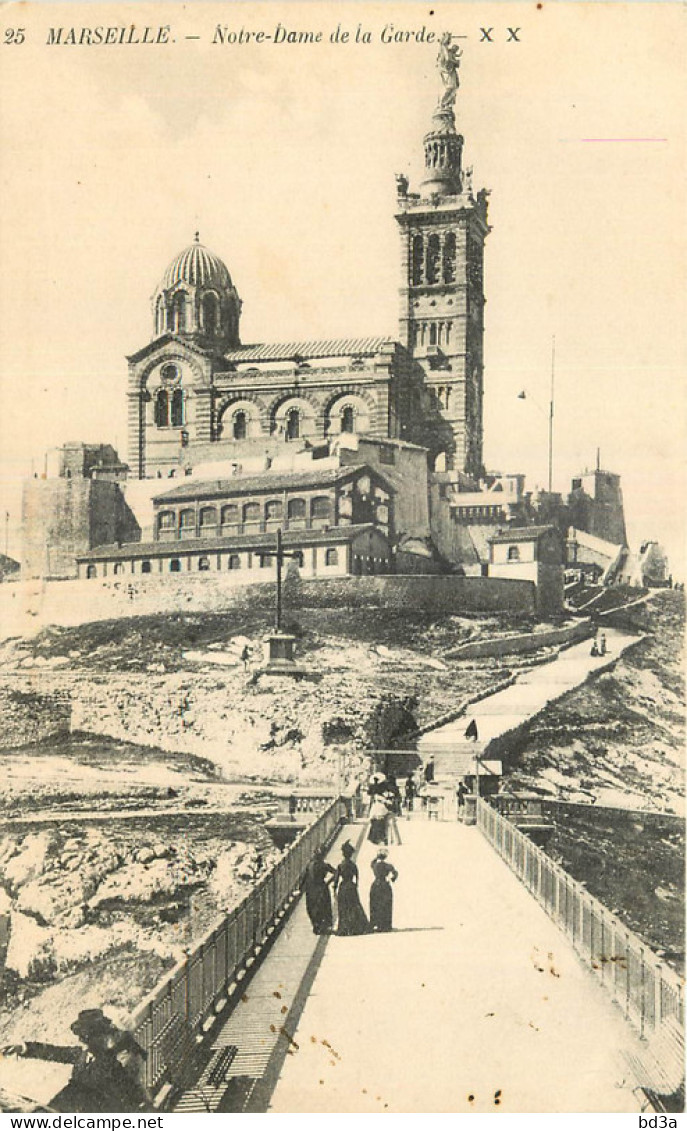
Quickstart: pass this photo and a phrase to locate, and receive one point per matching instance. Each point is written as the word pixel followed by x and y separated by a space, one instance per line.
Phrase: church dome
pixel 196 298
pixel 198 267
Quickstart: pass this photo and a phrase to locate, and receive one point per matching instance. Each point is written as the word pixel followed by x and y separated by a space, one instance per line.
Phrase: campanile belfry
pixel 443 228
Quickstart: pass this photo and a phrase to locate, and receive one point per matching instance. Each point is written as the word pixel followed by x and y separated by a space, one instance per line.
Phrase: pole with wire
pixel 553 372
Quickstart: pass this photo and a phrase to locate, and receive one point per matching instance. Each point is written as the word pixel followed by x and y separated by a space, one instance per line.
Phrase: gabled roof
pixel 164 339
pixel 522 534
pixel 289 351
pixel 265 542
pixel 269 481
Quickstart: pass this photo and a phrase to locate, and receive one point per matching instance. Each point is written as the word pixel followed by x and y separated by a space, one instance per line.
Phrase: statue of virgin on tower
pixel 448 62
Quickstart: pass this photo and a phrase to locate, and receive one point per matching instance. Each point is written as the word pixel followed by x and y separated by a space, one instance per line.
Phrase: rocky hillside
pixel 619 739
pixel 178 683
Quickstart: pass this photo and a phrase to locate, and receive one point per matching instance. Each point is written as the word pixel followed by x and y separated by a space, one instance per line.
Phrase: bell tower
pixel 443 228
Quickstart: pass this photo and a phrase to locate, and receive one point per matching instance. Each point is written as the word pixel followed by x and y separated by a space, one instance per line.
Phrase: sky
pixel 283 156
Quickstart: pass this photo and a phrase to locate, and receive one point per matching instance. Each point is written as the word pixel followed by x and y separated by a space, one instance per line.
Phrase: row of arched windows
pixel 170 409
pixel 234 561
pixel 233 514
pixel 292 423
pixel 177 315
pixel 432 333
pixel 433 260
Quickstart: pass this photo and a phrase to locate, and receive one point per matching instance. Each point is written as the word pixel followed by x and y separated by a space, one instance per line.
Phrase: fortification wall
pixel 25 607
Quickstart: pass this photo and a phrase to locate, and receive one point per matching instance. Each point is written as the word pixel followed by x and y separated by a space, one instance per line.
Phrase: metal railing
pixel 647 991
pixel 171 1020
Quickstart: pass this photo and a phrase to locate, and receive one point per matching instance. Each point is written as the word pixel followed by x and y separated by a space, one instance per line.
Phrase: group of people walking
pixel 321 879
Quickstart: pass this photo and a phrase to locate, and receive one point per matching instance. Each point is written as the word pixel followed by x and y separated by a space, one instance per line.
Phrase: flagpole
pixel 553 371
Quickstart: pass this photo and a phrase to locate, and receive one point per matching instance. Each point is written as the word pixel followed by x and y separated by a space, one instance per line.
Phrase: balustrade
pixel 172 1018
pixel 647 991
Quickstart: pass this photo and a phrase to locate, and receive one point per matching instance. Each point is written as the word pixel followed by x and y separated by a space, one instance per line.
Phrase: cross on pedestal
pixel 281 555
pixel 280 644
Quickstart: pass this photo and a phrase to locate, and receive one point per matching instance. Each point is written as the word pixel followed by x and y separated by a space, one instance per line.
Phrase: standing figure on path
pixel 352 919
pixel 410 791
pixel 378 815
pixel 318 900
pixel 392 835
pixel 429 771
pixel 461 790
pixel 381 894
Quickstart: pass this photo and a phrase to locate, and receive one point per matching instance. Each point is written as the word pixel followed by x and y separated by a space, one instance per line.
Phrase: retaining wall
pixel 26 606
pixel 524 642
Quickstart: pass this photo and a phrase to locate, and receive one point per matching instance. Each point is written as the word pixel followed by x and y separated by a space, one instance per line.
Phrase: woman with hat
pixel 352 919
pixel 381 894
pixel 108 1067
pixel 378 817
pixel 318 900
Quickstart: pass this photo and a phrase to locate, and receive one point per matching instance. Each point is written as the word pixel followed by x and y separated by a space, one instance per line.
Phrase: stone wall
pixel 25 607
pixel 65 517
pixel 524 642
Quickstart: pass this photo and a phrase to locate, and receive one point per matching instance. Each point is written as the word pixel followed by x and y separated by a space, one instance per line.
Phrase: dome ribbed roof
pixel 197 266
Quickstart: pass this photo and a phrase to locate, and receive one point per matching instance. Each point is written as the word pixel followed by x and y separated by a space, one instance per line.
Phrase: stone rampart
pixel 25 607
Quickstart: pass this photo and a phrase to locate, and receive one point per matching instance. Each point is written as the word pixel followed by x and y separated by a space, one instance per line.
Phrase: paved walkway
pixel 510 708
pixel 475 1002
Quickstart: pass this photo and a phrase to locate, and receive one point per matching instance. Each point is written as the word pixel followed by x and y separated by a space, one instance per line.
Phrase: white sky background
pixel 284 158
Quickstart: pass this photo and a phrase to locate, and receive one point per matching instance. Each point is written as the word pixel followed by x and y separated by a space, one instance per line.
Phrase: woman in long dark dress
pixel 318 900
pixel 381 895
pixel 378 820
pixel 352 918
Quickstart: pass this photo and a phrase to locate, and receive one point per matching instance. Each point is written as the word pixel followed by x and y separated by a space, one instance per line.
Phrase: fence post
pixel 658 995
pixel 642 1003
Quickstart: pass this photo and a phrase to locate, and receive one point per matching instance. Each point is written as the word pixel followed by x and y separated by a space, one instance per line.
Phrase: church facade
pixel 196 393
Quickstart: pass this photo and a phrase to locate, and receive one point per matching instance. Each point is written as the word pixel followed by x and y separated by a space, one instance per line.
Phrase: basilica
pixel 365 452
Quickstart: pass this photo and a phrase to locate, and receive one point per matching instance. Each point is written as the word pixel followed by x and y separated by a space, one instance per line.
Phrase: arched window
pixel 298 558
pixel 179 312
pixel 187 523
pixel 296 510
pixel 177 408
pixel 274 510
pixel 119 567
pixel 146 567
pixel 251 512
pixel 91 571
pixel 348 419
pixel 331 557
pixel 513 553
pixel 432 333
pixel 321 508
pixel 240 426
pixel 432 273
pixel 449 258
pixel 234 561
pixel 175 566
pixel 162 409
pixel 208 517
pixel 230 514
pixel 293 424
pixel 209 314
pixel 416 262
pixel 265 561
pixel 166 523
pixel 160 316
pixel 203 563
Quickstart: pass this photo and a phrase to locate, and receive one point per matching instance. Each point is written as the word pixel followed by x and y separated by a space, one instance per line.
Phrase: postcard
pixel 342 371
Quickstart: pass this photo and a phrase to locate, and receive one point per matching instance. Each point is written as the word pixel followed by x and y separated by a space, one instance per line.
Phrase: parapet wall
pixel 524 641
pixel 25 607
pixel 421 591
